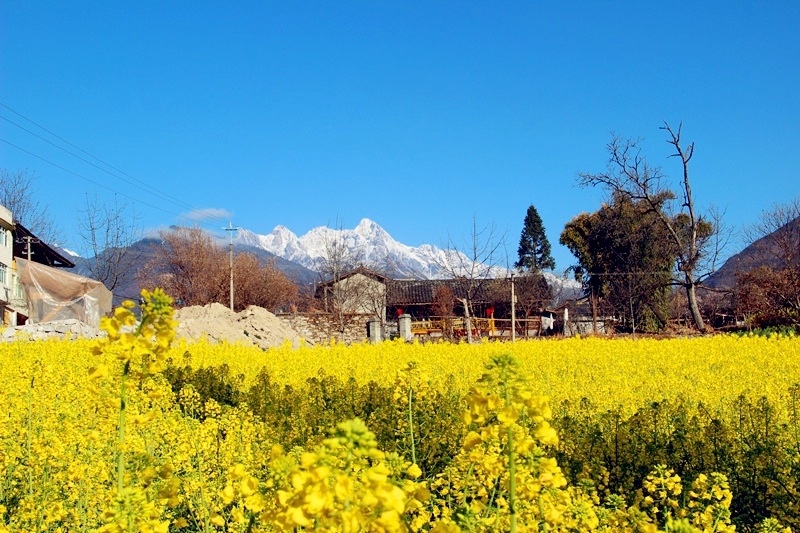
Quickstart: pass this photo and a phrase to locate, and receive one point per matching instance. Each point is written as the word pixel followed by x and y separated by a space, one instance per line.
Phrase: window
pixel 3 273
pixel 17 286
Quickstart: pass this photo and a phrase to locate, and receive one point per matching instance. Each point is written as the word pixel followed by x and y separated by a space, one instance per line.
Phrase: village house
pixel 360 291
pixel 433 307
pixel 34 287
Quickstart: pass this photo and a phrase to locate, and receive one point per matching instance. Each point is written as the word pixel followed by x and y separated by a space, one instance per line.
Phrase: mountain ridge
pixel 761 252
pixel 367 243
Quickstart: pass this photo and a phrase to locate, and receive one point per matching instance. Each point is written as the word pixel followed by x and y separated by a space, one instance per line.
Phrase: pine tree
pixel 534 248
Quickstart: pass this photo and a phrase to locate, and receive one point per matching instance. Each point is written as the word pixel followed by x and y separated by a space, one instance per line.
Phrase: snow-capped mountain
pixel 371 245
pixel 368 243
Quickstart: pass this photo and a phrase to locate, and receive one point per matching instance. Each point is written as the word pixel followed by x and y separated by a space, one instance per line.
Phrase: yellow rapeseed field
pixel 92 438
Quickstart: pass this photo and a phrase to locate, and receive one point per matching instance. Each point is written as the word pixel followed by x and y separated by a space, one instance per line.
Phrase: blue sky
pixel 422 116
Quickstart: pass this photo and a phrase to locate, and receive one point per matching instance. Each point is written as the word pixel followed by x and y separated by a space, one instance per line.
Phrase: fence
pixel 456 327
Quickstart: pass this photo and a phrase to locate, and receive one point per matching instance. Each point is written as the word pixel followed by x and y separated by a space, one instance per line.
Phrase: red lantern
pixel 399 311
pixel 490 311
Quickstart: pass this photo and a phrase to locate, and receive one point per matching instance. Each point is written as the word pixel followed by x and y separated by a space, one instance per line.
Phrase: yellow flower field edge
pixel 610 373
pixel 121 450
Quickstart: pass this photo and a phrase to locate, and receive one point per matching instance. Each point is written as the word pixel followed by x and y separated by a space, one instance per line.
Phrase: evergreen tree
pixel 534 248
pixel 627 258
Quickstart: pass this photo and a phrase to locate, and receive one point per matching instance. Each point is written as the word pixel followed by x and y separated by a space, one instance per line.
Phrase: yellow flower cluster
pixel 502 478
pixel 347 485
pixel 143 342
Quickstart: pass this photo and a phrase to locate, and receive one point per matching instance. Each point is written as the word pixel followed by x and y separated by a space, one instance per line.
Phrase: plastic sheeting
pixel 53 294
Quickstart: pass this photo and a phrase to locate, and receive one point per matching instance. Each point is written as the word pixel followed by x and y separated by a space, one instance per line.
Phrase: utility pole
pixel 231 229
pixel 28 240
pixel 513 311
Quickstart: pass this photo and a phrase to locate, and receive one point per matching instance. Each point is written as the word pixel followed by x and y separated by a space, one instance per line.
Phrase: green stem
pixel 251 522
pixel 545 526
pixel 29 439
pixel 512 480
pixel 411 426
pixel 512 465
pixel 123 400
pixel 491 507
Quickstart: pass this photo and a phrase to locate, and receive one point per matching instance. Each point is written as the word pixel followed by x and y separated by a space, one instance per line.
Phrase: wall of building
pixel 8 279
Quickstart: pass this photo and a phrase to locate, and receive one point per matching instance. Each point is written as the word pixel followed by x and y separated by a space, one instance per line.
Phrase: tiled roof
pixel 364 271
pixel 421 292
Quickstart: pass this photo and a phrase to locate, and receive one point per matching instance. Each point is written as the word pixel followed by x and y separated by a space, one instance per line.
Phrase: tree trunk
pixel 468 320
pixel 691 296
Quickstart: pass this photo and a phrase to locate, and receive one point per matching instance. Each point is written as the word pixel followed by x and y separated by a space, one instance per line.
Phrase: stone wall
pixel 320 328
pixel 59 329
pixel 315 328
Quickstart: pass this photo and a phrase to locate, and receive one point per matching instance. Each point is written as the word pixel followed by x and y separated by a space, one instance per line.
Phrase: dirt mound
pixel 215 322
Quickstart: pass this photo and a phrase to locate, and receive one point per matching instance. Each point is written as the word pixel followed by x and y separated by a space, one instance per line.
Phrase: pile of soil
pixel 215 322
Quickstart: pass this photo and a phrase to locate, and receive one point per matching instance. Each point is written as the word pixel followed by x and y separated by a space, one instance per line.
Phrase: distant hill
pixel 128 287
pixel 296 272
pixel 762 252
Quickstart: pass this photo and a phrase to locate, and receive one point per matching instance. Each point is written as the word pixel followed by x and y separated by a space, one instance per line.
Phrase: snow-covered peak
pixel 280 241
pixel 368 243
pixel 282 232
pixel 281 238
pixel 369 228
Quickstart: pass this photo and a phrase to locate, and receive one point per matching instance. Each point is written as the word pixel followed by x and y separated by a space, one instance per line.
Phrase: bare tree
pixel 776 235
pixel 194 269
pixel 18 195
pixel 475 265
pixel 108 232
pixel 189 266
pixel 694 236
pixel 370 287
pixel 259 283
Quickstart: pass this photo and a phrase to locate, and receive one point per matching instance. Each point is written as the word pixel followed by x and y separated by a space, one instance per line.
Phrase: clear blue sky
pixel 418 115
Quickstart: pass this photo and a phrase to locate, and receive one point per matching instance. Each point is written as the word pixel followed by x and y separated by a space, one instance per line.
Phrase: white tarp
pixel 54 294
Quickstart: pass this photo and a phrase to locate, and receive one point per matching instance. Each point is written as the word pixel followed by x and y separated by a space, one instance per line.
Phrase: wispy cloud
pixel 208 213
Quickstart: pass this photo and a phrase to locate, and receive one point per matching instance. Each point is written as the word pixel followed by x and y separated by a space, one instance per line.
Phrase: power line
pixel 97 183
pixel 141 185
pixel 641 273
pixel 73 146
